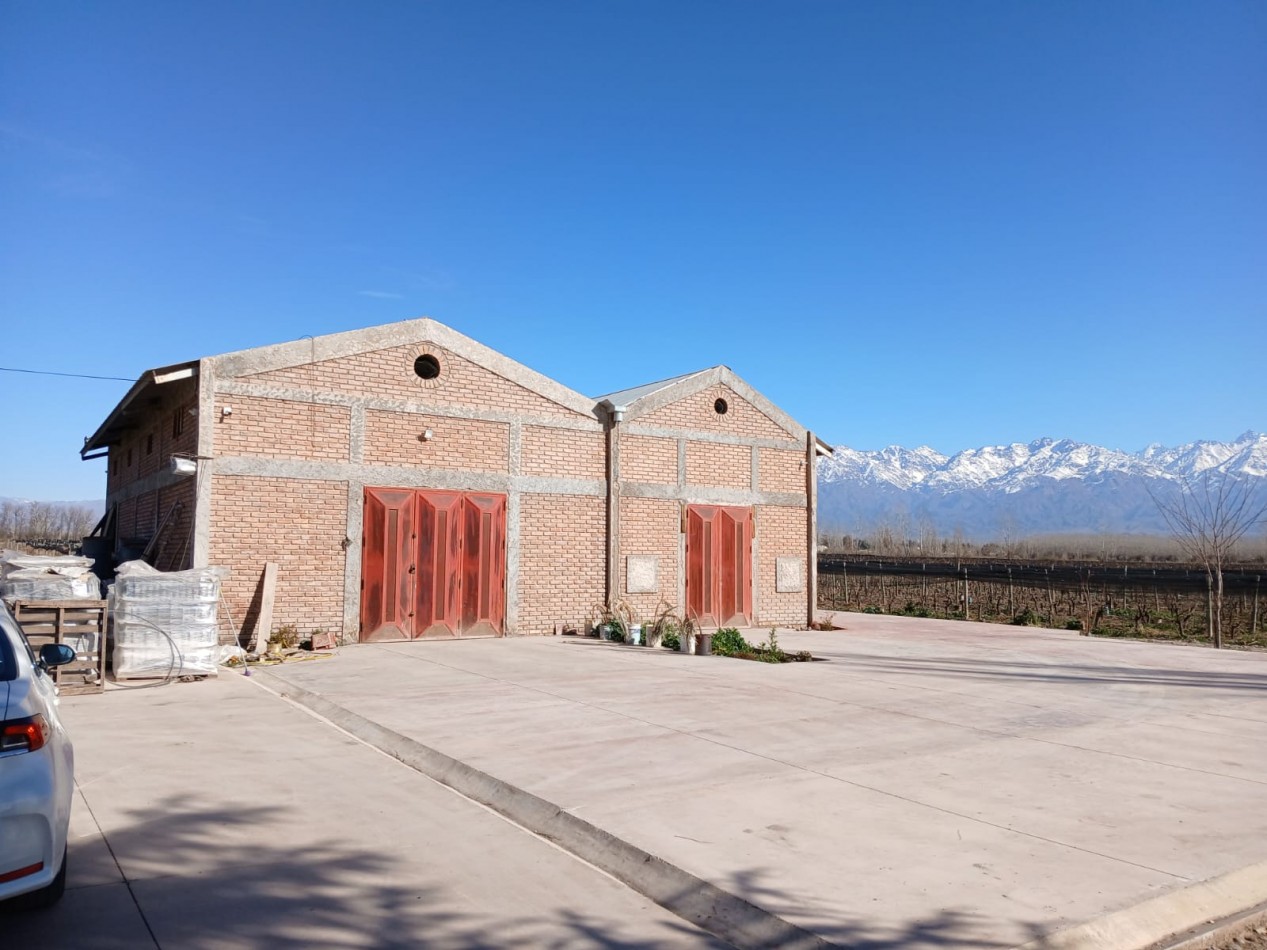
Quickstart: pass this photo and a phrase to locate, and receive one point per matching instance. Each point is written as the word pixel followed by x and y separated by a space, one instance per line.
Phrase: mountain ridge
pixel 1039 487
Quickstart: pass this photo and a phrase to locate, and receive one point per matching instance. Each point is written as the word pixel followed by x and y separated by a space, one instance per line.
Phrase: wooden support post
pixel 264 625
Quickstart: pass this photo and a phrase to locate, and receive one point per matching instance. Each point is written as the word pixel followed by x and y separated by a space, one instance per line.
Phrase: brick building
pixel 408 481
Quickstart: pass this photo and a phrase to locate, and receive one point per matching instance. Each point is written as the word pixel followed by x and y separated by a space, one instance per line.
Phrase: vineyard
pixel 1123 600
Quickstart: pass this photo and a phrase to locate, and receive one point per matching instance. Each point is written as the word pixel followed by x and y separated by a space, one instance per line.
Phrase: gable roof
pixel 641 400
pixel 626 396
pixel 263 359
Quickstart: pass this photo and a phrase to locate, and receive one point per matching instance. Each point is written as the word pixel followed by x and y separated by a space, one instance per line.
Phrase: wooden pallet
pixel 79 623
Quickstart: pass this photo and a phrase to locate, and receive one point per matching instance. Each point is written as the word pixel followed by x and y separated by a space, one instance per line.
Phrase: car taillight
pixel 24 735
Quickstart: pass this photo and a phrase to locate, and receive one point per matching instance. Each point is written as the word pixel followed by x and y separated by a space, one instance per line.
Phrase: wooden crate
pixel 79 623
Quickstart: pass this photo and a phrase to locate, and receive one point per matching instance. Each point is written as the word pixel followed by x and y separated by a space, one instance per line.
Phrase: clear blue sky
pixel 951 224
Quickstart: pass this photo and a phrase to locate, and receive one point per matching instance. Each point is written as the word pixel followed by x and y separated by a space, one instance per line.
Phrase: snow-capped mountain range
pixel 1042 487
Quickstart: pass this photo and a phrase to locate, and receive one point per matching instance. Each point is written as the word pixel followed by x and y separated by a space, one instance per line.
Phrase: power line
pixel 47 372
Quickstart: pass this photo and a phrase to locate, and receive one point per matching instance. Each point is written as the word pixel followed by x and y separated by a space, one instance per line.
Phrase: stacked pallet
pixel 81 625
pixel 165 624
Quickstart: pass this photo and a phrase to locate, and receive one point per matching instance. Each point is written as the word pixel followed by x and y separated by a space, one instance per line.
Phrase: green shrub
pixel 1072 624
pixel 669 638
pixel 729 641
pixel 1026 618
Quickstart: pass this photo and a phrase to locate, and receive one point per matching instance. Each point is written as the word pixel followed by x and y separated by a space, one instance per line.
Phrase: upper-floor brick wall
pixel 468 445
pixel 167 430
pixel 563 453
pixel 698 413
pixel 389 374
pixel 648 459
pixel 781 470
pixel 281 429
pixel 719 465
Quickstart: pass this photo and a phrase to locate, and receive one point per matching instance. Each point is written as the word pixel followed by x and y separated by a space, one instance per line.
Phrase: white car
pixel 37 771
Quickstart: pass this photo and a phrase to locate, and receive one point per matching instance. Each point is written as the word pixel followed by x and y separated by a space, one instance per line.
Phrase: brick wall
pixel 562 558
pixel 780 533
pixel 651 526
pixel 146 449
pixel 781 470
pixel 718 465
pixel 297 523
pixel 281 429
pixel 174 549
pixel 648 459
pixel 472 445
pixel 696 413
pixel 389 374
pixel 563 453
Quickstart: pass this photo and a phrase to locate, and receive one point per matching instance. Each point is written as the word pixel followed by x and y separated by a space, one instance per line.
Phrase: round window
pixel 427 366
pixel 721 407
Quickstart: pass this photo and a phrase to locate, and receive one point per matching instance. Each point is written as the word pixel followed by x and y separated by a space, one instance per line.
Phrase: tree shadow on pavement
pixel 841 925
pixel 200 887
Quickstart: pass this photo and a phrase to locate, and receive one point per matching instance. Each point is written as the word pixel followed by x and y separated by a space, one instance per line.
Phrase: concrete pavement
pixel 216 815
pixel 933 784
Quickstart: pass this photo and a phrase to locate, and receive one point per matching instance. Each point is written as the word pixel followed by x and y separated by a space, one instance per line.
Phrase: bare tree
pixel 1208 516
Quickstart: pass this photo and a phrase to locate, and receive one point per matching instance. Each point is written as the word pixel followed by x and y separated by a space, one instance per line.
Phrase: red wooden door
pixel 436 612
pixel 719 565
pixel 483 579
pixel 387 564
pixel 433 564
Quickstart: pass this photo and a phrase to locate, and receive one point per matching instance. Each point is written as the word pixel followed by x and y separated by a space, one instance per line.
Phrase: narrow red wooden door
pixel 387 564
pixel 733 527
pixel 701 586
pixel 719 565
pixel 438 591
pixel 483 564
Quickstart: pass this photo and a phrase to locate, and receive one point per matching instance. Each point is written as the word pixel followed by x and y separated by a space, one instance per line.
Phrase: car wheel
pixel 46 896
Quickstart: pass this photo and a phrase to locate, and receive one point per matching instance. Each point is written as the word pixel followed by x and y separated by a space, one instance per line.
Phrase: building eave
pixel 131 405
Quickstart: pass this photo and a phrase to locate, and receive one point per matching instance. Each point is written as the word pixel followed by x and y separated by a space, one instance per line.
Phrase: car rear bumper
pixel 33 823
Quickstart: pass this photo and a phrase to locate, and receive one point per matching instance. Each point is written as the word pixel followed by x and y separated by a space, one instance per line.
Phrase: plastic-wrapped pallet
pixel 40 577
pixel 165 624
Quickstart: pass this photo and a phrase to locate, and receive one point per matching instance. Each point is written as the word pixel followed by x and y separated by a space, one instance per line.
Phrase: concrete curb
pixel 733 919
pixel 1172 921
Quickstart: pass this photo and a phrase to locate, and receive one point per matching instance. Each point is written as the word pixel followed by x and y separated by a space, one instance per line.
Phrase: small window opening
pixel 114 465
pixel 427 366
pixel 721 407
pixel 129 455
pixel 178 423
pixel 149 444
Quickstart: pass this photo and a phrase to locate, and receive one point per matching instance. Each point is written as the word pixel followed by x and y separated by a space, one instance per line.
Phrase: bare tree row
pixel 44 520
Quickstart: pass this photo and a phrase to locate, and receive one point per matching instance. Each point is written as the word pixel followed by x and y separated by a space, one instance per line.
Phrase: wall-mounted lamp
pixel 182 466
pixel 427 435
pixel 226 411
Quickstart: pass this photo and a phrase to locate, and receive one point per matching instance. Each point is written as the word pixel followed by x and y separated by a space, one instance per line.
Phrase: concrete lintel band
pixel 696 436
pixel 265 391
pixel 698 495
pixel 148 483
pixel 411 477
